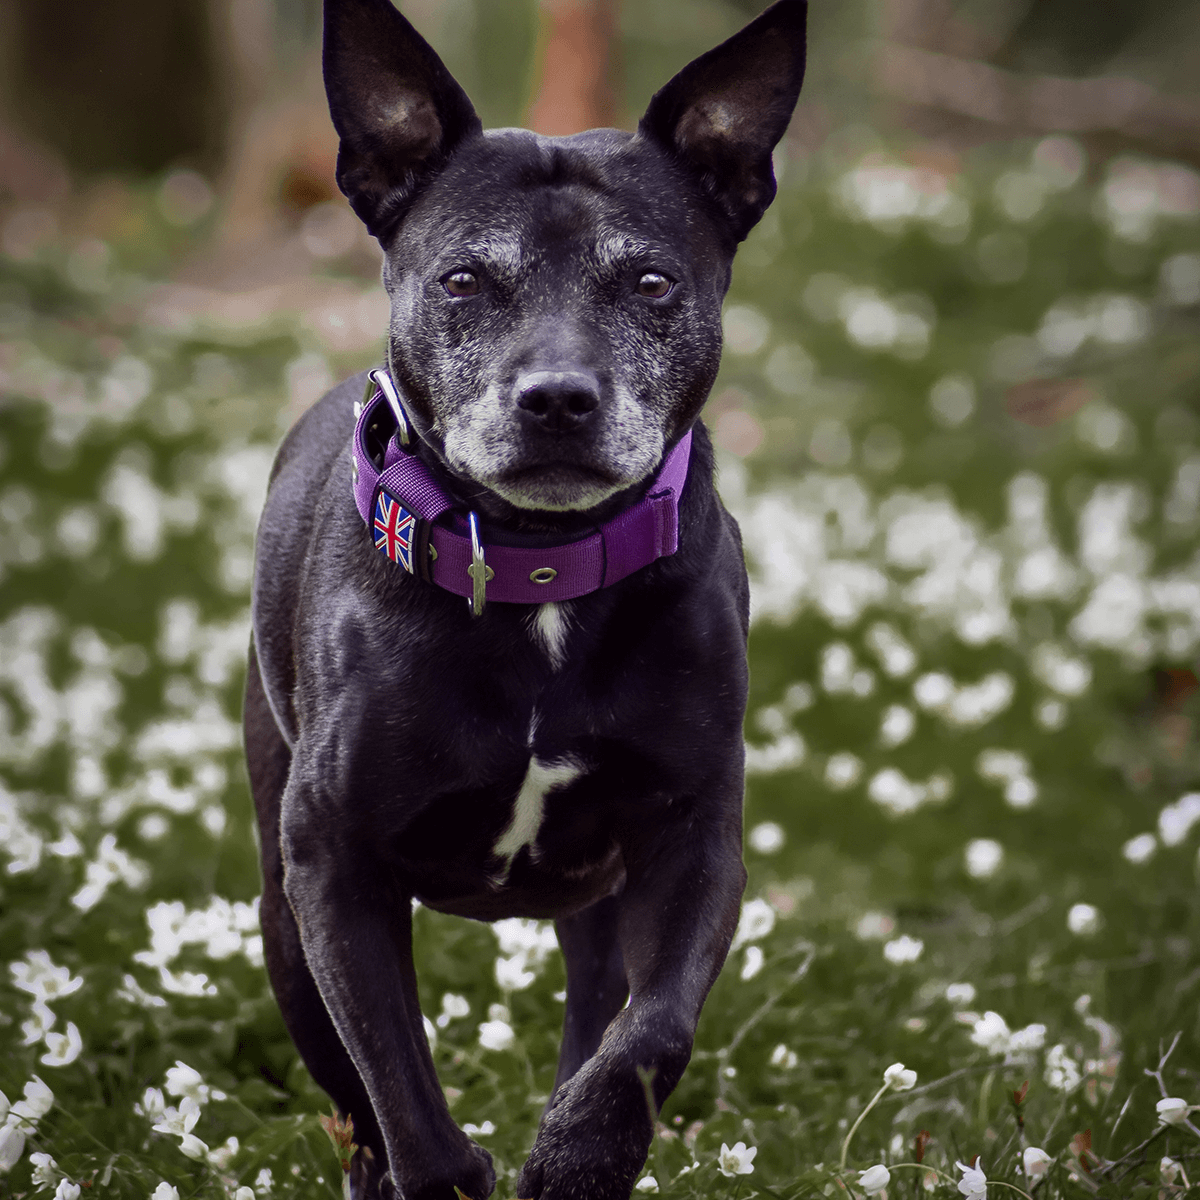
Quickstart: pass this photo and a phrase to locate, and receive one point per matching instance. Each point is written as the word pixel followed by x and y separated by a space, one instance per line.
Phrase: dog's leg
pixel 677 915
pixel 356 930
pixel 596 986
pixel 303 1010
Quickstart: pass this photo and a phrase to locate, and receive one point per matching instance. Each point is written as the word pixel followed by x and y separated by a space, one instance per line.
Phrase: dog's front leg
pixel 678 912
pixel 356 928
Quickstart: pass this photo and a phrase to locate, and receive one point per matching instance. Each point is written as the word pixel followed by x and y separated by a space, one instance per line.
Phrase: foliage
pixel 971 837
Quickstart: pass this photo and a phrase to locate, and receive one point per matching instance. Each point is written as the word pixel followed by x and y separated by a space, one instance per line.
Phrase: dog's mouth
pixel 558 487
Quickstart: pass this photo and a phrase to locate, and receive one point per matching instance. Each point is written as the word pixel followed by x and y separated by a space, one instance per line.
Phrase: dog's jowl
pixel 499 659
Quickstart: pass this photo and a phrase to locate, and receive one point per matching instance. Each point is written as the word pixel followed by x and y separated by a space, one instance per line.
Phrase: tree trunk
pixel 578 65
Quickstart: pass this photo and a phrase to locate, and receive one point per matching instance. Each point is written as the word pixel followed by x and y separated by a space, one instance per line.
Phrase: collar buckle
pixel 383 381
pixel 479 571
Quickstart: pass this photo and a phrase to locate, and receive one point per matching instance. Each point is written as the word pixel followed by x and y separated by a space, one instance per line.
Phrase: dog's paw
pixel 593 1141
pixel 367 1177
pixel 472 1178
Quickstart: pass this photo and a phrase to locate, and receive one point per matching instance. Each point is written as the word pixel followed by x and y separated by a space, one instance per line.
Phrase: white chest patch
pixel 549 625
pixel 540 780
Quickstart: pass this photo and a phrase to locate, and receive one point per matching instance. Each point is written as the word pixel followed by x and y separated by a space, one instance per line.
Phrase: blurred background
pixel 958 418
pixel 219 103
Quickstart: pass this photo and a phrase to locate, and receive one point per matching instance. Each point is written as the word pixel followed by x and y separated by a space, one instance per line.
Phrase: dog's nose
pixel 559 401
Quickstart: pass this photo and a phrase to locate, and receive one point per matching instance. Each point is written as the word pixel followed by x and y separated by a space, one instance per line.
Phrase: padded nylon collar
pixel 416 524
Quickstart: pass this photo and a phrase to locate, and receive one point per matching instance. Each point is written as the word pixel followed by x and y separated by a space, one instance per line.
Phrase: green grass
pixel 134 461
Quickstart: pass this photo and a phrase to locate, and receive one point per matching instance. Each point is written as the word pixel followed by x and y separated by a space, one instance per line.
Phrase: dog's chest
pixel 549 628
pixel 542 777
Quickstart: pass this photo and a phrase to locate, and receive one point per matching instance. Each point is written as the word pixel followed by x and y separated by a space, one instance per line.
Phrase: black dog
pixel 566 742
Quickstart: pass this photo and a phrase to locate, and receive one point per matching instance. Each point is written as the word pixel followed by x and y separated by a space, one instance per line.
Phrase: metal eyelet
pixel 543 575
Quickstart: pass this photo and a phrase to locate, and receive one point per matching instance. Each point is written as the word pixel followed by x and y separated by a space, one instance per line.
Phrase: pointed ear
pixel 723 114
pixel 398 111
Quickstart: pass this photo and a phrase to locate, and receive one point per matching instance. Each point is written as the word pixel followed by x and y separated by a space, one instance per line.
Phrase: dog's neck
pixel 423 518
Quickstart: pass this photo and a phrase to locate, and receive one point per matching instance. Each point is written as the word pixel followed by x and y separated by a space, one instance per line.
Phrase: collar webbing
pixel 416 524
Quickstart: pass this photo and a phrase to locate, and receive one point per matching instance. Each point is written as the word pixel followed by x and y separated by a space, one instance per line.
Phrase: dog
pixel 498 661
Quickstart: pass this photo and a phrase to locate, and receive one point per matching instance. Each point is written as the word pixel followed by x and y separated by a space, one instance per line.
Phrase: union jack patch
pixel 395 531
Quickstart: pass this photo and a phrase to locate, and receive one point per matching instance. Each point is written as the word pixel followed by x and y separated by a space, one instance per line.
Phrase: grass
pixel 970 839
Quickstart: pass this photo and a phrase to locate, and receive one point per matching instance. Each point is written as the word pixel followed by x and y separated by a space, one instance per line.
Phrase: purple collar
pixel 402 504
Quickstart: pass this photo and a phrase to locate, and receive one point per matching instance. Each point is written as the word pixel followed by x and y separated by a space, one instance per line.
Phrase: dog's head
pixel 556 302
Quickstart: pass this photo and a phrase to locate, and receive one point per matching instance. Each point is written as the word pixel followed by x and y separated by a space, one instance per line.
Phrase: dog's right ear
pixel 398 111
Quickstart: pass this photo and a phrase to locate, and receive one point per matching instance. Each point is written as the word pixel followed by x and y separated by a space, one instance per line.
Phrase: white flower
pixel 738 1161
pixel 1083 919
pixel 181 1120
pixel 12 1145
pixel 1062 1071
pixel 647 1183
pixel 874 1179
pixel 66 1190
pixel 897 726
pixel 39 1099
pixel 484 1130
pixel 496 1035
pixel 192 1146
pixel 765 838
pixel 899 1078
pixel 152 1105
pixel 244 1193
pixel 40 1024
pixel 1173 1110
pixel 45 1169
pixel 983 857
pixel 1176 820
pixel 264 1181
pixel 3 1106
pixel 1036 1162
pixel 753 962
pixel 974 1181
pixel 452 1007
pixel 1027 1041
pixel 992 1033
pixel 535 939
pixel 183 1080
pixel 185 983
pixel 63 1048
pixel 42 979
pixel 756 921
pixel 1140 849
pixel 960 994
pixel 903 949
pixel 781 1056
pixel 511 975
pixel 165 1191
pixel 1169 1169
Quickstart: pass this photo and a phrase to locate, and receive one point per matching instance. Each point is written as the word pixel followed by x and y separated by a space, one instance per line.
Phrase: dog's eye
pixel 655 285
pixel 461 283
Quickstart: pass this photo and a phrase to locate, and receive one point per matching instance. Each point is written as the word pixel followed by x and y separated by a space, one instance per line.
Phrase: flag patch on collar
pixel 395 531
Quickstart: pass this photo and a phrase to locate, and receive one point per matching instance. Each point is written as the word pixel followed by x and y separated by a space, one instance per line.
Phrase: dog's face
pixel 555 301
pixel 556 313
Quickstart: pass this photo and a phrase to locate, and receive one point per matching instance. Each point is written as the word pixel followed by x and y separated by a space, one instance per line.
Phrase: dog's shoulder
pixel 322 431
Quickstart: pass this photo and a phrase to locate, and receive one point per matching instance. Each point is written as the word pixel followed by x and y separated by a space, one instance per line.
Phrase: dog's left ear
pixel 399 112
pixel 723 114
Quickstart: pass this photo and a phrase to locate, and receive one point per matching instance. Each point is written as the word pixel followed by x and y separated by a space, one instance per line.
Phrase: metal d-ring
pixel 479 571
pixel 383 381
